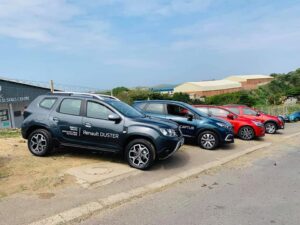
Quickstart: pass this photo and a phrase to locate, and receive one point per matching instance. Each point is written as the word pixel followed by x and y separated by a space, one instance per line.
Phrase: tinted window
pixel 47 103
pixel 155 108
pixel 248 111
pixel 70 106
pixel 98 111
pixel 218 112
pixel 177 110
pixel 125 109
pixel 234 110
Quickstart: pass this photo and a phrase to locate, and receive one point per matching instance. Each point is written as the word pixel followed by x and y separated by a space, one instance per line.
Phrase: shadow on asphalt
pixel 179 159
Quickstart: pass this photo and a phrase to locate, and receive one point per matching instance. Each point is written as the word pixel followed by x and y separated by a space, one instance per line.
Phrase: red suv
pixel 244 128
pixel 272 123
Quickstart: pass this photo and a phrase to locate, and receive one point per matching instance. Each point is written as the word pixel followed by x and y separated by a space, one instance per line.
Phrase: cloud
pixel 263 29
pixel 157 7
pixel 52 22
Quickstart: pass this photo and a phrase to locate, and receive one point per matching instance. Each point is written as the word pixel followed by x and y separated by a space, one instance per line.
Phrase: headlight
pixel 168 132
pixel 225 126
pixel 221 124
pixel 259 124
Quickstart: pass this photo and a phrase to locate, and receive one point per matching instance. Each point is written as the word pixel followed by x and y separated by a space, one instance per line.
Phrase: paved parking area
pixel 38 204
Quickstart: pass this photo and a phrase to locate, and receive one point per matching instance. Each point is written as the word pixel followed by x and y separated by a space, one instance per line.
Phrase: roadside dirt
pixel 20 171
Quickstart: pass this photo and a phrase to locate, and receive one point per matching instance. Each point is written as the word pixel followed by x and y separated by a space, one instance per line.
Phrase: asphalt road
pixel 259 189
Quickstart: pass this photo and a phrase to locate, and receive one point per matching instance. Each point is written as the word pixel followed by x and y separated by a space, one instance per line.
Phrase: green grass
pixel 10 133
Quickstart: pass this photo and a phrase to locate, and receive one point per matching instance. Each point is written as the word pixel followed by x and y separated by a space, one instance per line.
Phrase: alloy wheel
pixel 270 128
pixel 246 133
pixel 139 155
pixel 38 143
pixel 208 141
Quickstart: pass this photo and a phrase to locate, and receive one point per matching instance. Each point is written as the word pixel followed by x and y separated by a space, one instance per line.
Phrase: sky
pixel 108 43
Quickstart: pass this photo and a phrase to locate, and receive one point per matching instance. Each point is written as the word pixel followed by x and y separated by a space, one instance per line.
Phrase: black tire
pixel 208 140
pixel 270 127
pixel 246 133
pixel 40 142
pixel 140 154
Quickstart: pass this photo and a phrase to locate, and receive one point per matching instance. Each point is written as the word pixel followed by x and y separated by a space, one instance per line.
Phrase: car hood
pixel 157 122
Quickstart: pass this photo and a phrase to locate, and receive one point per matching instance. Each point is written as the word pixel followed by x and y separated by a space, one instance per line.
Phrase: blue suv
pixel 98 122
pixel 209 132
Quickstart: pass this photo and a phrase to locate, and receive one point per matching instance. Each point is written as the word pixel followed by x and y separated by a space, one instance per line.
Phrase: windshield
pixel 196 110
pixel 125 109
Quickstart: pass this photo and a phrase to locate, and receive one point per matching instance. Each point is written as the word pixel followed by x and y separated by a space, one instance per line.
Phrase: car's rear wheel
pixel 40 142
pixel 270 127
pixel 246 133
pixel 208 140
pixel 140 154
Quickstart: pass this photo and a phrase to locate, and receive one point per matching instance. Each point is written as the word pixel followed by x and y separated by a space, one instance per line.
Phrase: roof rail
pixel 97 96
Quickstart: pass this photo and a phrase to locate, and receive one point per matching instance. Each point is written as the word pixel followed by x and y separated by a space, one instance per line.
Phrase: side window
pixel 48 103
pixel 248 111
pixel 156 108
pixel 234 110
pixel 218 112
pixel 176 110
pixel 70 106
pixel 97 111
pixel 140 105
pixel 203 109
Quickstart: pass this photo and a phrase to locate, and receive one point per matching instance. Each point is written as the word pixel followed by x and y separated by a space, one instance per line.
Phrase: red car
pixel 272 123
pixel 244 128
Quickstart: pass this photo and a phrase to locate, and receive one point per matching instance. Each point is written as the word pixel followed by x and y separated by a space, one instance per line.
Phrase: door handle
pixel 88 125
pixel 55 119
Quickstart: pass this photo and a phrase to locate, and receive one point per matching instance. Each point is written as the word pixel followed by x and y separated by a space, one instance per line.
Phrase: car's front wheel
pixel 246 133
pixel 208 140
pixel 270 127
pixel 40 142
pixel 140 154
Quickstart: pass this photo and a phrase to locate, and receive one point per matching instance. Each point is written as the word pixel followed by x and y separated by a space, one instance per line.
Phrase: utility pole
pixel 51 86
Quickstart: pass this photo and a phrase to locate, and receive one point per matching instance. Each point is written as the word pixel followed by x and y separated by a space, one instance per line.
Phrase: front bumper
pixel 229 138
pixel 260 131
pixel 170 147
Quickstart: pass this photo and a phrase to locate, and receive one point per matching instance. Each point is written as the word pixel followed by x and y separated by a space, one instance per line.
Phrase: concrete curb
pixel 86 210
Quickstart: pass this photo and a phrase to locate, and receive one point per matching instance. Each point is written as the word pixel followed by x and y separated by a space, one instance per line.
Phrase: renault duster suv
pixel 98 122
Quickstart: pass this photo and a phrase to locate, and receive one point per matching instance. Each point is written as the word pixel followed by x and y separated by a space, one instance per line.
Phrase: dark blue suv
pixel 209 132
pixel 98 122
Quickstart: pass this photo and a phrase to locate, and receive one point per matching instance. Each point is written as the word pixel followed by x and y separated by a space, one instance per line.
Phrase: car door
pixel 179 114
pixel 67 121
pixel 155 109
pixel 98 130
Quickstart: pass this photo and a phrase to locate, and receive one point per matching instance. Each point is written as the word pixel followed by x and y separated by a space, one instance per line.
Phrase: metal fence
pixel 280 109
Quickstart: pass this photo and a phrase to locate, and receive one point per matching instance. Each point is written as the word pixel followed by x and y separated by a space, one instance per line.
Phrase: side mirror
pixel 190 116
pixel 114 117
pixel 258 114
pixel 230 116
